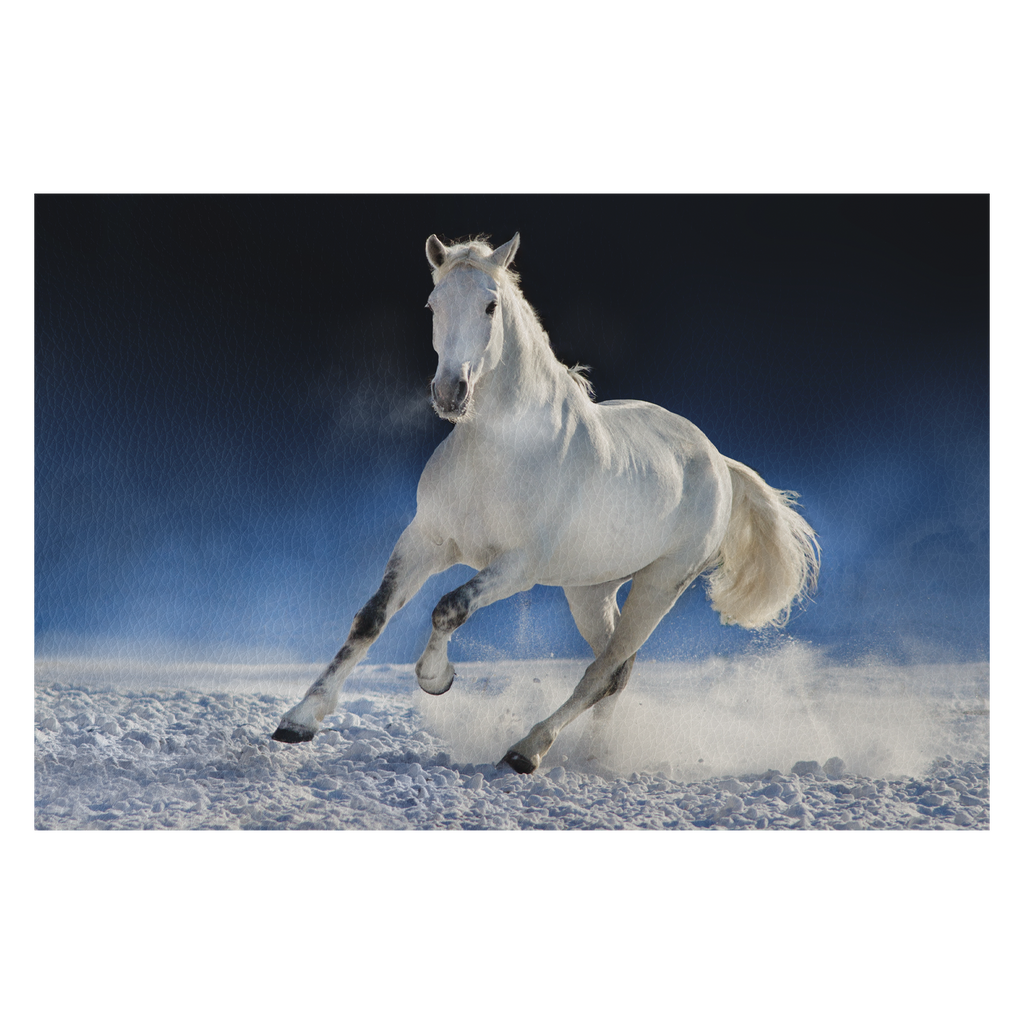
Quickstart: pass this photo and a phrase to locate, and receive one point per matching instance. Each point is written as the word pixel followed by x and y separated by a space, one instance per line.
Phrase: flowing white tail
pixel 769 557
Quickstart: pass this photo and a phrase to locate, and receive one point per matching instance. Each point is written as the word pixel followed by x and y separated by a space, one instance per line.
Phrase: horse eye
pixel 491 308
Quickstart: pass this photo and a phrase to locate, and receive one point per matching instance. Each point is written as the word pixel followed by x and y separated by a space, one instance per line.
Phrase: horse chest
pixel 489 496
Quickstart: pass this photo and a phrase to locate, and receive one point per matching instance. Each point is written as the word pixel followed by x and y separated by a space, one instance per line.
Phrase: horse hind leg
pixel 604 710
pixel 597 689
pixel 596 613
pixel 653 594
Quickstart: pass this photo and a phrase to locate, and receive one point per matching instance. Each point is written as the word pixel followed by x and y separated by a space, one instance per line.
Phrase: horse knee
pixel 451 612
pixel 373 616
pixel 368 624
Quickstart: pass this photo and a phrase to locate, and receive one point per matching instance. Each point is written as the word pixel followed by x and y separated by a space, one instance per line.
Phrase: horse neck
pixel 529 379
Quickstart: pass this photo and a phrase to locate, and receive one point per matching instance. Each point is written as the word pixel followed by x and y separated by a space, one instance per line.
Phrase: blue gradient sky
pixel 232 411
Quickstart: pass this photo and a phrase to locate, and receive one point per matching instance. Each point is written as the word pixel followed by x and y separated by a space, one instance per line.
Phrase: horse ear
pixel 436 251
pixel 504 254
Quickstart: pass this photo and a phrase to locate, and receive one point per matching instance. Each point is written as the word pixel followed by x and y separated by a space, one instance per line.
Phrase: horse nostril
pixel 449 396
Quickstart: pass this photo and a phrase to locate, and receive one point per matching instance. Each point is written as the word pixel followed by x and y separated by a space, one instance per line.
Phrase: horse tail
pixel 769 558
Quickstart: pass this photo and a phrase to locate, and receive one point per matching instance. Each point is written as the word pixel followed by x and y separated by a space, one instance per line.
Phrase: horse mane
pixel 577 373
pixel 475 252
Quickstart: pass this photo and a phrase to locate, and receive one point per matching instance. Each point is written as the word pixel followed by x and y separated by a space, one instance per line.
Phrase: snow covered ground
pixel 784 741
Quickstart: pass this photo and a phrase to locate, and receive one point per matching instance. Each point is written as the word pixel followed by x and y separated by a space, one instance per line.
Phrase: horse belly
pixel 610 531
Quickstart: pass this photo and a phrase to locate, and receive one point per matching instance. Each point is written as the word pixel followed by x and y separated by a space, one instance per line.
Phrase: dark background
pixel 232 414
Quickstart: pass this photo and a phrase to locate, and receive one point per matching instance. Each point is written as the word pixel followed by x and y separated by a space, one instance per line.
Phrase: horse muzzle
pixel 450 397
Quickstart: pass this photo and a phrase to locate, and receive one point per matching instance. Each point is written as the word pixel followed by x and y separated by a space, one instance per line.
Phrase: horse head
pixel 468 326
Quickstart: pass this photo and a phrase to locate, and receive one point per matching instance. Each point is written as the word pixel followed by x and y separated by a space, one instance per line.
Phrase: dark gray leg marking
pixel 370 619
pixel 617 682
pixel 620 677
pixel 453 609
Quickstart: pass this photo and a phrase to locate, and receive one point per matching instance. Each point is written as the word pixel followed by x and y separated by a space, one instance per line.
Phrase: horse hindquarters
pixel 769 557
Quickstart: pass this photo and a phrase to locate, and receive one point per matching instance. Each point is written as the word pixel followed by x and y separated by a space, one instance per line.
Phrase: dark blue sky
pixel 232 412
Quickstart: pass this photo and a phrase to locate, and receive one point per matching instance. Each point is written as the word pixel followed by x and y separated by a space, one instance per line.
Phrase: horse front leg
pixel 414 560
pixel 505 576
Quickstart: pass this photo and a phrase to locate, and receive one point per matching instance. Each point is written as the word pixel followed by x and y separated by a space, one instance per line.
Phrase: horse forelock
pixel 474 253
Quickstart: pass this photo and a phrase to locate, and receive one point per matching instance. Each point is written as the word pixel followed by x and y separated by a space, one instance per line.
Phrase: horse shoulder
pixel 466 496
pixel 434 489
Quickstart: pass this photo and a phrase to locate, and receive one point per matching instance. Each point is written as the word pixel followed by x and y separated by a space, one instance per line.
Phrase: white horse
pixel 537 483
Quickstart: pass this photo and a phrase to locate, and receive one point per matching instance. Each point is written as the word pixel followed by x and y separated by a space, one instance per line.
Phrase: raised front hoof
pixel 437 685
pixel 517 762
pixel 288 733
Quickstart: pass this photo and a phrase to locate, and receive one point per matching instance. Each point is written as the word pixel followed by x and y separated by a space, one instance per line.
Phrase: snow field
pixel 785 743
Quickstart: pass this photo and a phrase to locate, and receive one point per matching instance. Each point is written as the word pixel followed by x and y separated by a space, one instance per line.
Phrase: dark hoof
pixel 518 763
pixel 293 734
